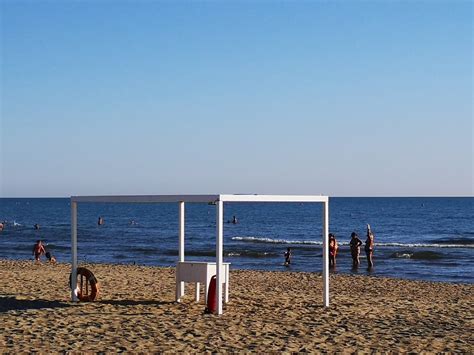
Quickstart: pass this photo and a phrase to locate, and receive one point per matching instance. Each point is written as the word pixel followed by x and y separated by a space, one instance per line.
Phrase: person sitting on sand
pixel 369 246
pixel 355 249
pixel 288 257
pixel 38 250
pixel 332 250
pixel 50 258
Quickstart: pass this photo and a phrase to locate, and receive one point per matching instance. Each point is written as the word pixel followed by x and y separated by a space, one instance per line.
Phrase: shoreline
pixel 362 271
pixel 268 311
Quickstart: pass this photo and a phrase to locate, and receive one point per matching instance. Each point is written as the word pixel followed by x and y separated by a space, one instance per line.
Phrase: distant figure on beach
pixel 36 226
pixel 50 257
pixel 288 257
pixel 355 249
pixel 332 250
pixel 38 250
pixel 100 221
pixel 234 220
pixel 369 246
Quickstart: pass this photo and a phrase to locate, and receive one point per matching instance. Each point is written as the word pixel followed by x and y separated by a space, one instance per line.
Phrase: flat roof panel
pixel 199 198
pixel 273 198
pixel 146 198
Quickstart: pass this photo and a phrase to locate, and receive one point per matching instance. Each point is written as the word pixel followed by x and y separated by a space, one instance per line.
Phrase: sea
pixel 421 238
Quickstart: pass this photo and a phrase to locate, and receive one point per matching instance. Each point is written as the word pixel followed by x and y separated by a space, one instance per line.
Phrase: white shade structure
pixel 219 201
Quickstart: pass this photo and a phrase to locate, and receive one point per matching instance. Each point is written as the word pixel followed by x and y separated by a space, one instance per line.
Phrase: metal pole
pixel 219 254
pixel 180 292
pixel 74 251
pixel 326 254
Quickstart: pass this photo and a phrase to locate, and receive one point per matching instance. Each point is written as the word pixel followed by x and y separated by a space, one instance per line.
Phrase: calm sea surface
pixel 416 238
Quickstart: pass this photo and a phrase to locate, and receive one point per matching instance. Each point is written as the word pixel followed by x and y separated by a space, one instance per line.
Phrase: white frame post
pixel 326 253
pixel 180 288
pixel 219 253
pixel 74 251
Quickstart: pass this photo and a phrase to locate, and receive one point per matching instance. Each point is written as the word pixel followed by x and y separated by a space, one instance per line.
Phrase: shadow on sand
pixel 8 303
pixel 135 302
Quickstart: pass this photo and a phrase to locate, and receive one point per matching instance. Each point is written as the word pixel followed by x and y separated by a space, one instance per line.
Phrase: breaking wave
pixel 453 244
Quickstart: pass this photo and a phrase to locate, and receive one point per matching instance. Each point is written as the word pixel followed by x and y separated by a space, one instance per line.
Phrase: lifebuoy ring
pixel 86 291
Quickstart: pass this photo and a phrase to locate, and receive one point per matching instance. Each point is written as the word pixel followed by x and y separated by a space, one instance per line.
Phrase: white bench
pixel 197 272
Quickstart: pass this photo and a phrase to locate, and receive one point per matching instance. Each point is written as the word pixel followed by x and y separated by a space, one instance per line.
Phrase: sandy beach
pixel 268 311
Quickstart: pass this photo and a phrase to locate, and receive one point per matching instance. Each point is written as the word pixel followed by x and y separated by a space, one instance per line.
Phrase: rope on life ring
pixel 83 288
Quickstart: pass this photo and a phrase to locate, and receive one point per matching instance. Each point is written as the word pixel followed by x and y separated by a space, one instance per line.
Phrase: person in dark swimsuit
pixel 355 249
pixel 50 257
pixel 288 257
pixel 369 246
pixel 332 250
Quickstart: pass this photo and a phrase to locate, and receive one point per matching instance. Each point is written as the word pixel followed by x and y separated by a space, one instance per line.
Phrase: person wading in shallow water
pixel 355 249
pixel 288 257
pixel 369 246
pixel 332 250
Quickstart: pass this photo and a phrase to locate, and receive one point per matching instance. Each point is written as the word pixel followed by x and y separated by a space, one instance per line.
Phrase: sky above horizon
pixel 158 97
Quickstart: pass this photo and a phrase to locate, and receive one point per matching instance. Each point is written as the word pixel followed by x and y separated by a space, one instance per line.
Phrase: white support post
pixel 74 251
pixel 180 288
pixel 219 254
pixel 326 254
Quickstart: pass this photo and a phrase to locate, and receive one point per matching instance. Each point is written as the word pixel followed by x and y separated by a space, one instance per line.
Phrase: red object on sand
pixel 211 297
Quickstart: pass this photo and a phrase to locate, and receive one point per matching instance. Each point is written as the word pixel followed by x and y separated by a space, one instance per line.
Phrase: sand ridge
pixel 267 312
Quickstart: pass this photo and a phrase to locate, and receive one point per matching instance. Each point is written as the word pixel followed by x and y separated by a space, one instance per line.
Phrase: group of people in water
pixel 354 244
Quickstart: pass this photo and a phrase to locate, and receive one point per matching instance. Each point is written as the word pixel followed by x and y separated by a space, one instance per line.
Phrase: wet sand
pixel 268 311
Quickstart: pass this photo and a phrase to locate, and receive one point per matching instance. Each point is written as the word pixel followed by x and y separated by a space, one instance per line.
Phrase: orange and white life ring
pixel 87 287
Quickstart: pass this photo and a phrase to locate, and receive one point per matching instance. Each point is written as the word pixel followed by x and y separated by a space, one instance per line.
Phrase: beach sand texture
pixel 268 311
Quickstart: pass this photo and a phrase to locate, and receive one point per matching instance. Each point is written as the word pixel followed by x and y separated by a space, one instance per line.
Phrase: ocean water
pixel 416 238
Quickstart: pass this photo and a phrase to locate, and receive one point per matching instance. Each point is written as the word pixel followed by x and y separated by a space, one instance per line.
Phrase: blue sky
pixel 155 97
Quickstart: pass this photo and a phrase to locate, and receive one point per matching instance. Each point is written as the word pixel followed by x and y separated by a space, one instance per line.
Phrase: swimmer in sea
pixel 100 221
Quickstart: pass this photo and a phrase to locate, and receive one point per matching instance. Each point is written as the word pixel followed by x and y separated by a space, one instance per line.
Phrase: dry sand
pixel 267 312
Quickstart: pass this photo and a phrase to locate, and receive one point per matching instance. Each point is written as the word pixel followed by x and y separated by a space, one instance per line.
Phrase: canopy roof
pixel 199 198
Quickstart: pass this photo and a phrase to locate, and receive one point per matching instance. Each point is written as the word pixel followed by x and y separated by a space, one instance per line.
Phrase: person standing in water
pixel 332 250
pixel 288 257
pixel 100 221
pixel 355 249
pixel 369 246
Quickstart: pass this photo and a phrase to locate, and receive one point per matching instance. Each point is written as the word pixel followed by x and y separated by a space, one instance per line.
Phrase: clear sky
pixel 342 98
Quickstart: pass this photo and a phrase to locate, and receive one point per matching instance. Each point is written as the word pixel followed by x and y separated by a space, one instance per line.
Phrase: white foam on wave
pixel 275 241
pixel 313 242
